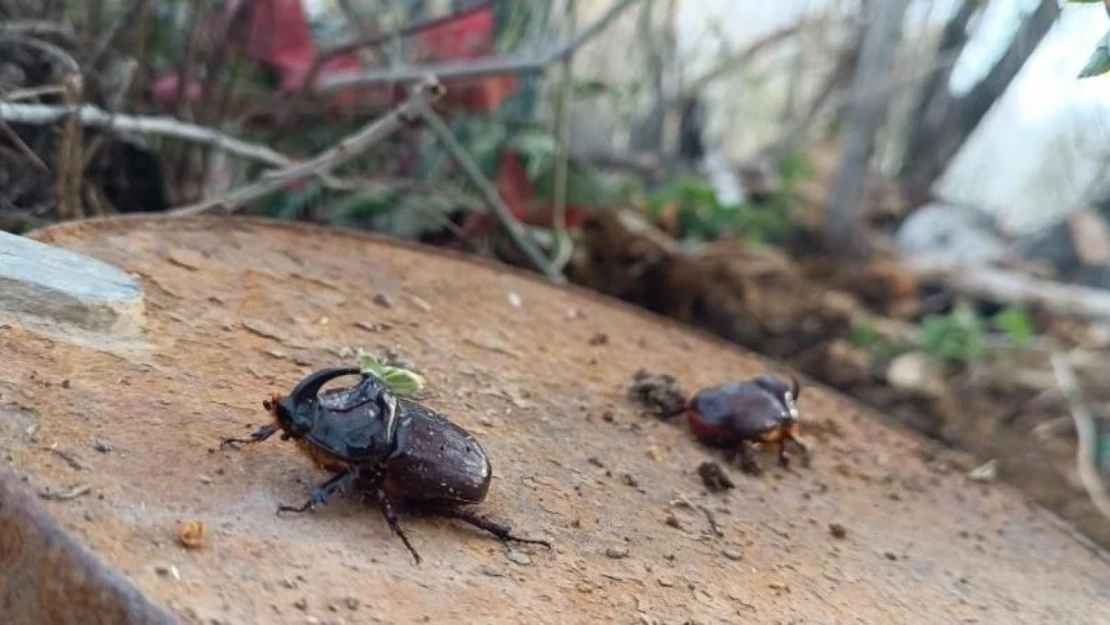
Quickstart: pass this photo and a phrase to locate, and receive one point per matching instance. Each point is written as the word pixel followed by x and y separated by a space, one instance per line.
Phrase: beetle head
pixel 788 395
pixel 296 413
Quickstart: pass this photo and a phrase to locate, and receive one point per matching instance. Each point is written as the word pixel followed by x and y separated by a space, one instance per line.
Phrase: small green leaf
pixel 399 380
pixel 1099 62
pixel 402 381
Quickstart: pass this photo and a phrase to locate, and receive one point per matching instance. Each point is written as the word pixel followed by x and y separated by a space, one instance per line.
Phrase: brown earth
pixel 882 528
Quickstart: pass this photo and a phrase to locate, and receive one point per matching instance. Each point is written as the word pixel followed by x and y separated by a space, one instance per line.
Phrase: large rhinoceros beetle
pixel 397 448
pixel 735 414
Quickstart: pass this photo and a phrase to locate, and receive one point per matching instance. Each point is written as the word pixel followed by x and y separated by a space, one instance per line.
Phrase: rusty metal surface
pixel 238 309
pixel 48 578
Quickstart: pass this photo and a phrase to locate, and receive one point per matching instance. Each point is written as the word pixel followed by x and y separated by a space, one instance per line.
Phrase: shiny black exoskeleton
pixel 736 414
pixel 396 447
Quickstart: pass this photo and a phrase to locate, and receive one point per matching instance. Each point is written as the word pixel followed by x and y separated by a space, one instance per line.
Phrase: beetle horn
pixel 311 385
pixel 795 387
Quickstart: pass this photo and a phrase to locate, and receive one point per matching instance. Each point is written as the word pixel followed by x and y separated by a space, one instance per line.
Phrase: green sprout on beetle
pixel 400 380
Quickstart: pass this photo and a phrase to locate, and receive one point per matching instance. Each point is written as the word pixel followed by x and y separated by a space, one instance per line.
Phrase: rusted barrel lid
pixel 121 440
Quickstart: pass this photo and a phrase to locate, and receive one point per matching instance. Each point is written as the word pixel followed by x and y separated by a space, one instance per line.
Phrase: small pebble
pixel 732 554
pixel 517 557
pixel 890 556
pixel 666 582
pixel 616 553
pixel 383 300
pixel 837 530
pixel 204 479
pixel 301 604
pixel 289 583
pixel 352 603
pixel 673 521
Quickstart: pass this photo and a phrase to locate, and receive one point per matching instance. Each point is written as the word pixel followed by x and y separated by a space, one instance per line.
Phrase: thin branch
pixel 350 147
pixel 564 247
pixel 1013 287
pixel 1086 434
pixel 517 64
pixel 516 231
pixel 91 116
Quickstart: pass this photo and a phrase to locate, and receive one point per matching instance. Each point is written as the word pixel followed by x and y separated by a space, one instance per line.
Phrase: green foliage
pixel 959 335
pixel 866 337
pixel 1099 61
pixel 703 217
pixel 1016 324
pixel 401 381
pixel 955 337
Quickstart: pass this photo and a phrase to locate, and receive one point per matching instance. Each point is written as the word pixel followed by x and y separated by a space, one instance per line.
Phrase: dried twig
pixel 1013 287
pixel 516 232
pixel 1086 433
pixel 348 148
pixel 517 64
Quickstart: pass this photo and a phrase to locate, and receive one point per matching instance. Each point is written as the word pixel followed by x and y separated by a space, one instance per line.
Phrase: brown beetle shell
pixel 725 415
pixel 436 460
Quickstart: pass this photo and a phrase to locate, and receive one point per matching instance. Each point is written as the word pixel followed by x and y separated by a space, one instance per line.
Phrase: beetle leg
pixel 501 531
pixel 747 460
pixel 784 460
pixel 391 518
pixel 257 436
pixel 322 493
pixel 804 448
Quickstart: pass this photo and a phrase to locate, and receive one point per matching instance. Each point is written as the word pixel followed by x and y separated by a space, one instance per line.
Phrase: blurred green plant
pixel 865 336
pixel 954 337
pixel 701 216
pixel 960 335
pixel 1099 61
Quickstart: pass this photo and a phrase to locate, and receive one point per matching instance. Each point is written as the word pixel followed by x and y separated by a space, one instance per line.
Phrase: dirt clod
pixel 190 534
pixel 616 553
pixel 301 604
pixel 659 393
pixel 383 300
pixel 837 530
pixel 714 477
pixel 600 338
pixel 732 554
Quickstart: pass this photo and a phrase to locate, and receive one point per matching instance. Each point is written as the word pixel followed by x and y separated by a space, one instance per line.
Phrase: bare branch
pixel 1012 286
pixel 91 116
pixel 1086 434
pixel 516 232
pixel 348 148
pixel 520 64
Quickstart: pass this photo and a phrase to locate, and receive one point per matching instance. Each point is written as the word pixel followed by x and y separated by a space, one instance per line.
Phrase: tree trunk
pixel 842 227
pixel 944 121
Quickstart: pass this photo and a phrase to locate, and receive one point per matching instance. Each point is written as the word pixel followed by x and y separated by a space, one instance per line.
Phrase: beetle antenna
pixel 311 385
pixel 795 387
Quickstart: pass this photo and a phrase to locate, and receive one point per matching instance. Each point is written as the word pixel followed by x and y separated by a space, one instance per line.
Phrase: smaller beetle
pixel 397 448
pixel 735 414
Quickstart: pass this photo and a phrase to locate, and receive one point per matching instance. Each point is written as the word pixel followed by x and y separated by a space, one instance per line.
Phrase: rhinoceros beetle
pixel 735 414
pixel 397 448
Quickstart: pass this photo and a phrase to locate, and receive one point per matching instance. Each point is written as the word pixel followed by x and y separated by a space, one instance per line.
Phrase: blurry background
pixel 906 200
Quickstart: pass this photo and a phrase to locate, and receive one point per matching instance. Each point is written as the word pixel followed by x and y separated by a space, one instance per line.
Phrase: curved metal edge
pixel 48 578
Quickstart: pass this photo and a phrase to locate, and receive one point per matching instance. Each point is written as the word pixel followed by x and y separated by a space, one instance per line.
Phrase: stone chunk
pixel 61 287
